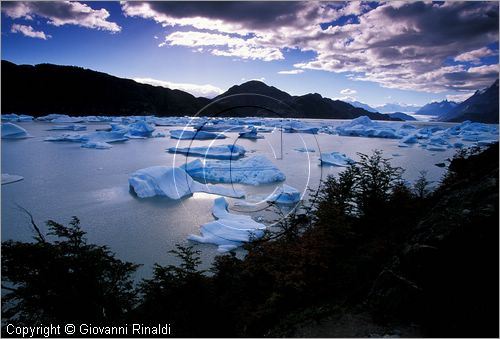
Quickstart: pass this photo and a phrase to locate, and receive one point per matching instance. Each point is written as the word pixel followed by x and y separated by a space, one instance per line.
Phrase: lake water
pixel 63 180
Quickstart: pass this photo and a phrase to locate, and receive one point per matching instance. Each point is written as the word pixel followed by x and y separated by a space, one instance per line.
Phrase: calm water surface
pixel 62 180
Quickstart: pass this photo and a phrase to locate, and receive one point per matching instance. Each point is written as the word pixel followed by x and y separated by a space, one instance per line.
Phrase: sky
pixel 372 52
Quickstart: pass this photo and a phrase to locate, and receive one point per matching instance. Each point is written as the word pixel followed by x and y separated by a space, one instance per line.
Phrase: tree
pixel 64 280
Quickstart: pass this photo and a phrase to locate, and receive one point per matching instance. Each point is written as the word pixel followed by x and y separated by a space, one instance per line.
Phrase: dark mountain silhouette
pixel 401 116
pixel 304 106
pixel 437 108
pixel 45 88
pixel 481 107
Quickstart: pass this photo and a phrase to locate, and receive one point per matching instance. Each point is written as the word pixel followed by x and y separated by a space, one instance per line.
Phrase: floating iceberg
pixel 221 128
pixel 365 127
pixel 64 119
pixel 251 134
pixel 73 127
pixel 139 129
pixel 10 178
pixel 230 230
pixel 285 195
pixel 335 159
pixel 252 171
pixel 436 148
pixel 192 135
pixel 174 183
pixel 13 131
pixel 305 130
pixel 65 137
pixel 96 145
pixel 304 149
pixel 213 152
pixel 14 117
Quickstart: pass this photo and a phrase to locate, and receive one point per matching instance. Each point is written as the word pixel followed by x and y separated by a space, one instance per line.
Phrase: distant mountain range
pixel 362 105
pixel 45 88
pixel 396 107
pixel 437 108
pixel 481 107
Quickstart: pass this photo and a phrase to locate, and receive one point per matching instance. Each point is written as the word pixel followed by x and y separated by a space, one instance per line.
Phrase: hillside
pixel 437 108
pixel 43 89
pixel 481 107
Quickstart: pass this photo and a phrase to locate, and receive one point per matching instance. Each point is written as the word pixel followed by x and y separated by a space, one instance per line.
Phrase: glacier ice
pixel 138 129
pixel 285 195
pixel 250 134
pixel 174 183
pixel 10 178
pixel 252 171
pixel 213 152
pixel 96 145
pixel 16 118
pixel 73 127
pixel 335 159
pixel 304 149
pixel 192 135
pixel 365 127
pixel 229 230
pixel 13 131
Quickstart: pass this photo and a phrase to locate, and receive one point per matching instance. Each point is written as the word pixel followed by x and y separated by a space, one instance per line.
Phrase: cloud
pixel 397 44
pixel 208 91
pixel 29 32
pixel 348 91
pixel 475 55
pixel 61 13
pixel 293 71
pixel 346 98
pixel 459 97
pixel 223 45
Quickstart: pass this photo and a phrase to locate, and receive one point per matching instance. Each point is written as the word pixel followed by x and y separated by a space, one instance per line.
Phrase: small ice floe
pixel 174 183
pixel 229 231
pixel 213 152
pixel 221 128
pixel 71 137
pixel 64 119
pixel 335 159
pixel 304 149
pixel 252 171
pixel 13 131
pixel 304 130
pixel 486 142
pixel 285 195
pixel 10 178
pixel 16 118
pixel 73 127
pixel 192 135
pixel 436 148
pixel 251 134
pixel 96 145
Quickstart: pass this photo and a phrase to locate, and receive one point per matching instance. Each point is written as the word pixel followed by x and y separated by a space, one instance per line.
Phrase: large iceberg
pixel 139 129
pixel 191 135
pixel 10 178
pixel 14 117
pixel 335 159
pixel 250 134
pixel 64 119
pixel 213 152
pixel 173 182
pixel 13 131
pixel 253 171
pixel 365 127
pixel 230 230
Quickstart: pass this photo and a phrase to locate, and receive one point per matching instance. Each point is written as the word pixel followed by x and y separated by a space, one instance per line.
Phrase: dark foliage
pixel 65 280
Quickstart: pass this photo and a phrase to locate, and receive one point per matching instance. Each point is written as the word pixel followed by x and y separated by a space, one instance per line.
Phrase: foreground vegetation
pixel 370 244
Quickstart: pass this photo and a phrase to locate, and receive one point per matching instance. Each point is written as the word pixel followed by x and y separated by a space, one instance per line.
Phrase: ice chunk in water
pixel 213 152
pixel 173 182
pixel 13 131
pixel 96 145
pixel 73 127
pixel 230 230
pixel 285 195
pixel 335 159
pixel 191 135
pixel 253 171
